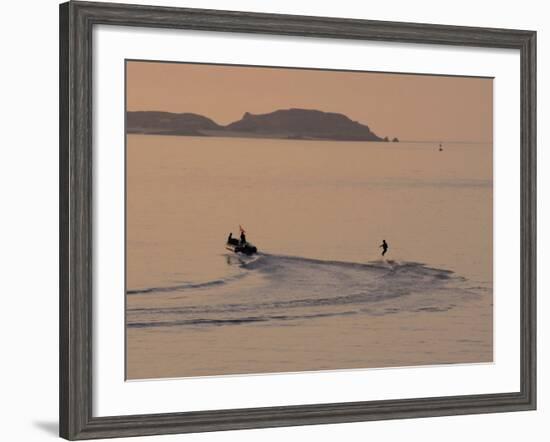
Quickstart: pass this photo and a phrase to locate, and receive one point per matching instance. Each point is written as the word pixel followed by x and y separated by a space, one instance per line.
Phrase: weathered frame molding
pixel 76 164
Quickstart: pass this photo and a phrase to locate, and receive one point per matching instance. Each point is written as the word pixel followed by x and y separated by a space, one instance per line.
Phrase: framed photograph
pixel 272 220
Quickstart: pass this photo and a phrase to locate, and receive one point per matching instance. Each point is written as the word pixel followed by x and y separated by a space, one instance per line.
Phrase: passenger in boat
pixel 243 236
pixel 231 240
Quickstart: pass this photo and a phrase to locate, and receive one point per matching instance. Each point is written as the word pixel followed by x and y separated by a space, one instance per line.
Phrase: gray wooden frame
pixel 77 20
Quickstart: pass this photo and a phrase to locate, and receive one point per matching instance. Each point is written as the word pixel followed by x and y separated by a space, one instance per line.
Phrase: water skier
pixel 384 247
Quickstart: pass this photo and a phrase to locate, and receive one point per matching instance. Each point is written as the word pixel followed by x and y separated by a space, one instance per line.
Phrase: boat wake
pixel 289 289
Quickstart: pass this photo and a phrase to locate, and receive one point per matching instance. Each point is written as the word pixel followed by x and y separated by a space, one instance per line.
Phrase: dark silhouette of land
pixel 301 124
pixel 167 123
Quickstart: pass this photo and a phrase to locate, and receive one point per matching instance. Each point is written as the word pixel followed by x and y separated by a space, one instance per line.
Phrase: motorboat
pixel 236 246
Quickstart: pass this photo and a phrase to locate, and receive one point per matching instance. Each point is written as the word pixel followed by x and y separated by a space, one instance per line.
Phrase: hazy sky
pixel 410 107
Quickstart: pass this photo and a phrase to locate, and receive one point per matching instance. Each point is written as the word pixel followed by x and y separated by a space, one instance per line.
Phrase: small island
pixel 294 124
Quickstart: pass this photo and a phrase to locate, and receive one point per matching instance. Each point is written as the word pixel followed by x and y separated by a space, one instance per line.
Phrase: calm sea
pixel 318 295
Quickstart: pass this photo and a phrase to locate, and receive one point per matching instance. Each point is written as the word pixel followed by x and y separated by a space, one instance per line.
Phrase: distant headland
pixel 295 124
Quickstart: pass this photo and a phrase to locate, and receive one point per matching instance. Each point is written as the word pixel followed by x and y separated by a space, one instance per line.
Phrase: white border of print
pixel 113 396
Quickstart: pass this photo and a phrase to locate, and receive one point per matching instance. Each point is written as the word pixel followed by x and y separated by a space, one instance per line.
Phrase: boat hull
pixel 246 249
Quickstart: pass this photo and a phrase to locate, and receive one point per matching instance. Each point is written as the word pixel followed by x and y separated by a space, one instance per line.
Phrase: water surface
pixel 318 296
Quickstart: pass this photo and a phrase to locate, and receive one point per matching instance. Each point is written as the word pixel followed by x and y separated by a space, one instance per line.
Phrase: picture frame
pixel 77 20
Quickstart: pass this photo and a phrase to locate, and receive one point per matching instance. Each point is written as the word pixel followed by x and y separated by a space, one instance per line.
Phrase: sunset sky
pixel 410 107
